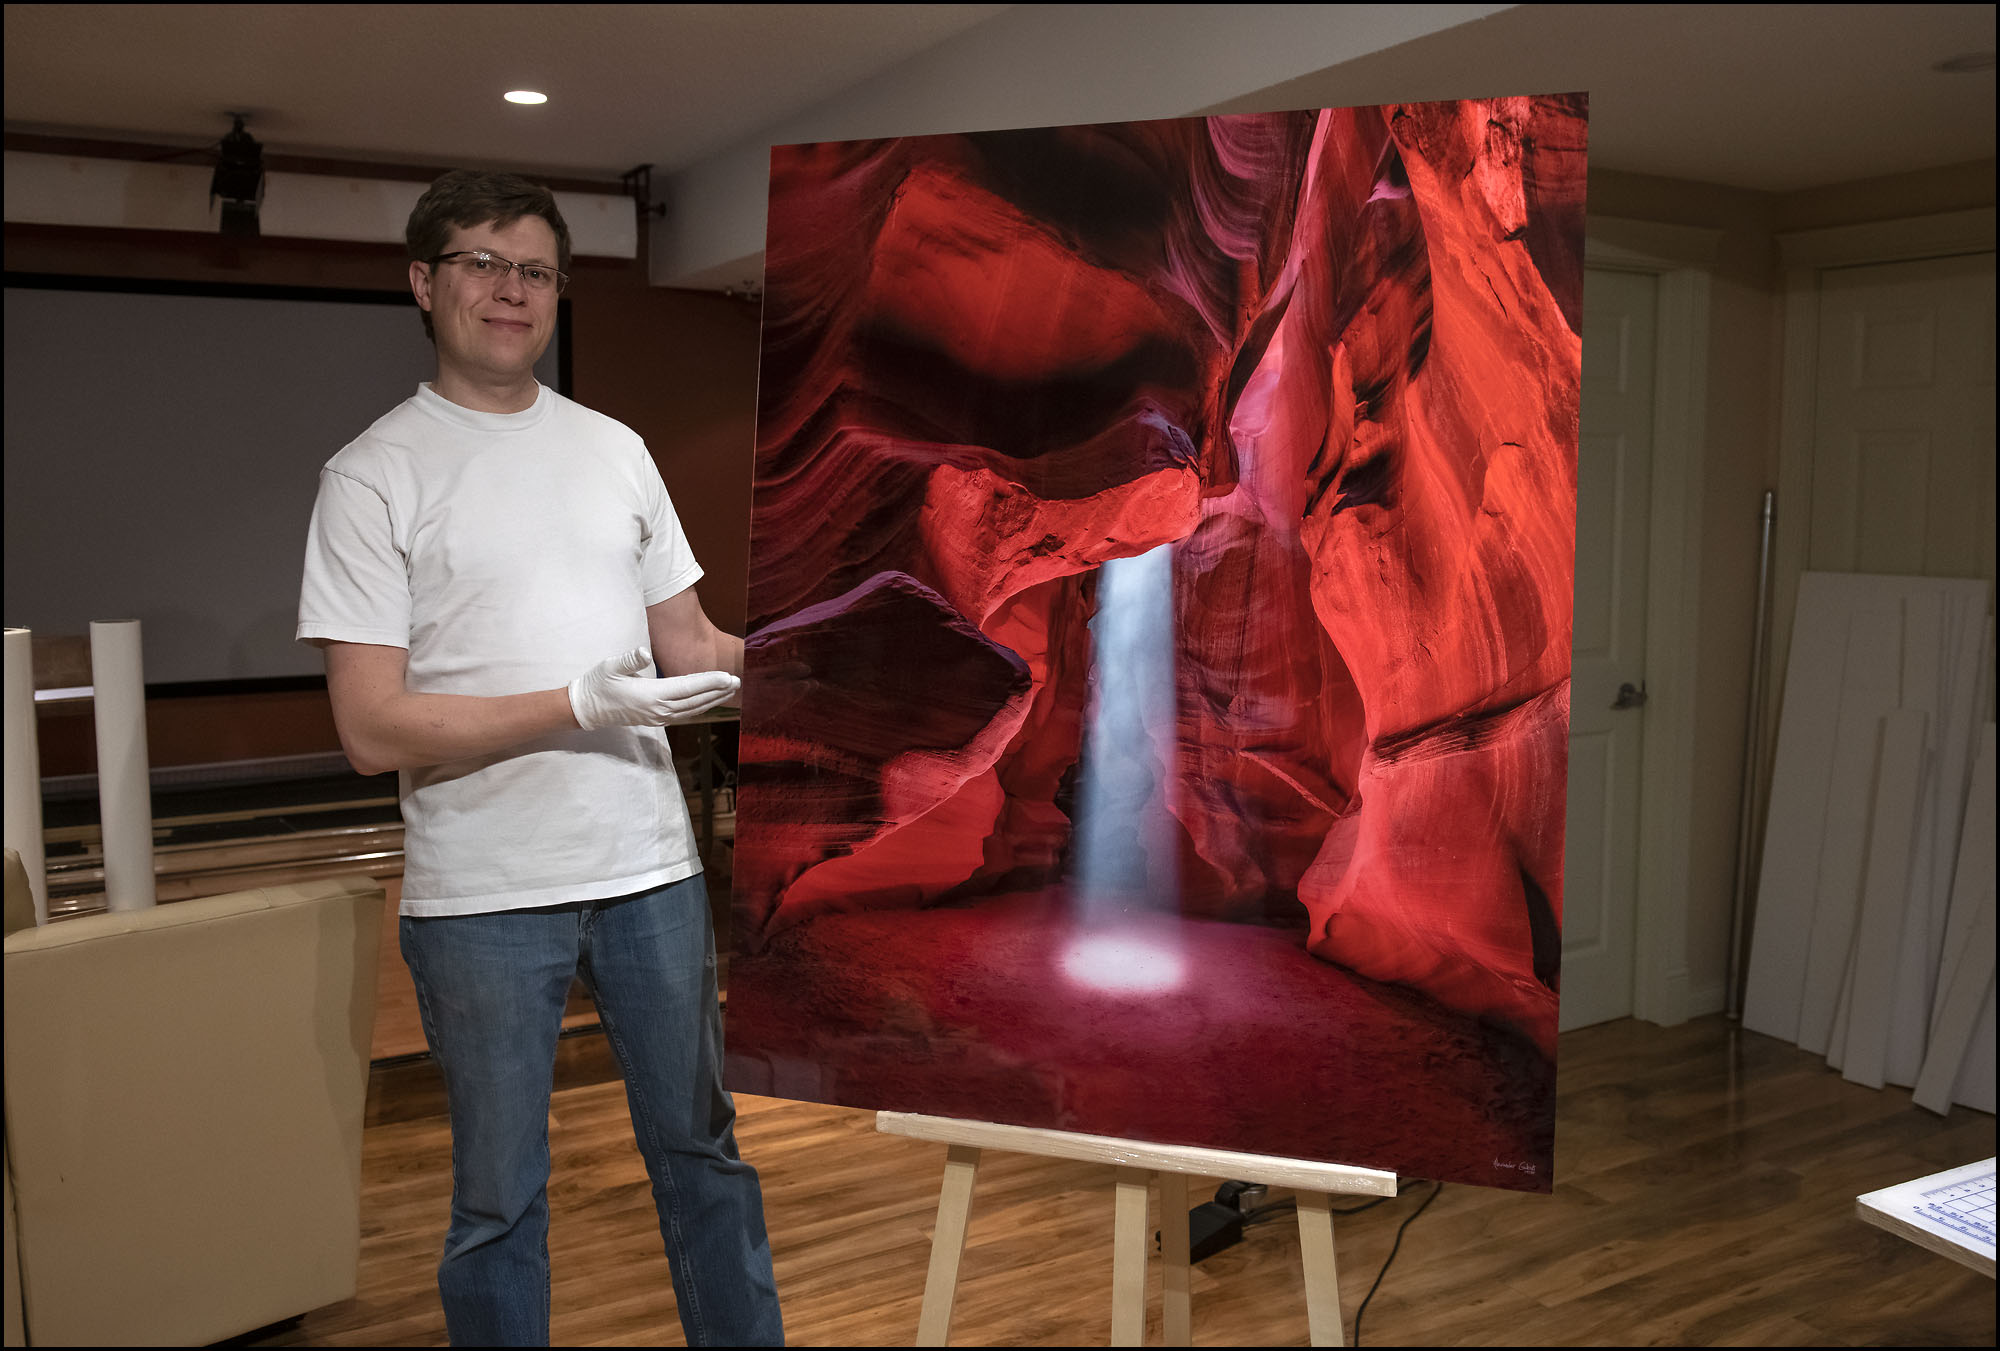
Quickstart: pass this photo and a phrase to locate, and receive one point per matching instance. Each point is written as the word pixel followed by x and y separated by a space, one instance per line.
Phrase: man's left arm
pixel 684 641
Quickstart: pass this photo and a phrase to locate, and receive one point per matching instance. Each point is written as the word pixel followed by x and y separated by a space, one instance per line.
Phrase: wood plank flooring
pixel 1705 1196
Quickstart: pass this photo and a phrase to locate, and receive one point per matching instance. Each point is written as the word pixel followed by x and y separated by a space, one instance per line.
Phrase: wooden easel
pixel 1313 1182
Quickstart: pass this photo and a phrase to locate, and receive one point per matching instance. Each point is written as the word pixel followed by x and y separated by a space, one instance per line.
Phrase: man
pixel 469 554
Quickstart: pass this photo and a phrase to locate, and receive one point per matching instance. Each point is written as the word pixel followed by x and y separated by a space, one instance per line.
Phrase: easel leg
pixel 1176 1308
pixel 1322 1278
pixel 961 1166
pixel 1128 1260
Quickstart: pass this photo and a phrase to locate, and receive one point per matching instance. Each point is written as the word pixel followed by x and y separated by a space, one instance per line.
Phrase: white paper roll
pixel 124 783
pixel 23 828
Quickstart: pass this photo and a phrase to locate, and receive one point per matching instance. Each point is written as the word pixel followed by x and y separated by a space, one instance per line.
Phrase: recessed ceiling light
pixel 1965 63
pixel 524 96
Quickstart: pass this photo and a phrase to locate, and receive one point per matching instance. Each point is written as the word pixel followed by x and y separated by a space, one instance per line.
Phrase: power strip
pixel 1212 1228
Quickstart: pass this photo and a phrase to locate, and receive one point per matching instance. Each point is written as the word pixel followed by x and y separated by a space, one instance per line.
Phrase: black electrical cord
pixel 1436 1187
pixel 1265 1214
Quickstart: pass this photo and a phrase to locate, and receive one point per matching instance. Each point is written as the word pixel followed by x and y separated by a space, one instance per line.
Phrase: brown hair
pixel 478 197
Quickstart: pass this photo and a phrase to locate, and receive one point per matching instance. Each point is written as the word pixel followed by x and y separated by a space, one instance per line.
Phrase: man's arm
pixel 684 641
pixel 383 726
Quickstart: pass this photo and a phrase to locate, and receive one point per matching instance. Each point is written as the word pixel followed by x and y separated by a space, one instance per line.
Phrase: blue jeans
pixel 491 990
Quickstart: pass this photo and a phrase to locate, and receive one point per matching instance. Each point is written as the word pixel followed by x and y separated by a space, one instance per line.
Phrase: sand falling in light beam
pixel 1125 885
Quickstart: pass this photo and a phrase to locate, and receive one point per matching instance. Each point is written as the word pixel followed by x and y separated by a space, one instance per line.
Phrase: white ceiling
pixel 628 84
pixel 1775 97
pixel 1771 97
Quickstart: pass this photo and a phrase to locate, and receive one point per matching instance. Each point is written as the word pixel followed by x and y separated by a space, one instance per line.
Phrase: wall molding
pixel 150 152
pixel 1704 999
pixel 371 204
pixel 1888 241
pixel 1647 245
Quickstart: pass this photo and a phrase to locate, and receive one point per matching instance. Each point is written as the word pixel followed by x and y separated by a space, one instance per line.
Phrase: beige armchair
pixel 184 1094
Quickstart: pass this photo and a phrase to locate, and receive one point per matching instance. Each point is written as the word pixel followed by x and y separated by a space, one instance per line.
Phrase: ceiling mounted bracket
pixel 639 187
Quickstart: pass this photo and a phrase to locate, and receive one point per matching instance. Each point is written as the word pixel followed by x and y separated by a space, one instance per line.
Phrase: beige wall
pixel 1740 461
pixel 1928 192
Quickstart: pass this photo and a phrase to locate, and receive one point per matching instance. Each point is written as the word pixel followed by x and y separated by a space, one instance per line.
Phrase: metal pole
pixel 1747 812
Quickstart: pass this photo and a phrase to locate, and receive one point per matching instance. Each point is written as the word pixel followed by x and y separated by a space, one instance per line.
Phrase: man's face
pixel 486 330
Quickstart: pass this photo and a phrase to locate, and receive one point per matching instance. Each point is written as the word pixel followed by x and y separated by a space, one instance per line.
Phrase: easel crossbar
pixel 1301 1174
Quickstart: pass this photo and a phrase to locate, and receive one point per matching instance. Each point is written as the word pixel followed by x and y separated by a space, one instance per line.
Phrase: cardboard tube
pixel 23 827
pixel 124 782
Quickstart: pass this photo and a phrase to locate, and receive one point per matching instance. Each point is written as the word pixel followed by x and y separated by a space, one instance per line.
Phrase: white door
pixel 1903 428
pixel 1614 478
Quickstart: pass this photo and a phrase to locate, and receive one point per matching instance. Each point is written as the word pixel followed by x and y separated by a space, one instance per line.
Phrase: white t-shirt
pixel 509 552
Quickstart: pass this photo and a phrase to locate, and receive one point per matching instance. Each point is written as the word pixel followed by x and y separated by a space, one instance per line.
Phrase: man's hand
pixel 621 692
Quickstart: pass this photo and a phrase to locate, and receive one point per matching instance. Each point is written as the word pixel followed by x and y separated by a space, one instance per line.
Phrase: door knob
pixel 1630 695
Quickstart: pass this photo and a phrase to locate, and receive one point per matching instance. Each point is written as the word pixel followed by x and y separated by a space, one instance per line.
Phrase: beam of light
pixel 1124 857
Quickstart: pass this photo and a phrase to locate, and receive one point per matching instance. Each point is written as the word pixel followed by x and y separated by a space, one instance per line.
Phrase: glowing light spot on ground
pixel 1121 964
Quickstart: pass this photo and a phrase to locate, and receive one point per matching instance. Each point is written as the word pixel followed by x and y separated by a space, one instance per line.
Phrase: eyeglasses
pixel 492 267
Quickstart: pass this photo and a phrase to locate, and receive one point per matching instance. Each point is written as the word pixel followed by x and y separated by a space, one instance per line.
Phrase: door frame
pixel 1805 256
pixel 1681 258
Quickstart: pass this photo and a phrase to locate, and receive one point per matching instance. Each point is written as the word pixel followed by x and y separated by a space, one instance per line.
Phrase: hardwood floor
pixel 1705 1196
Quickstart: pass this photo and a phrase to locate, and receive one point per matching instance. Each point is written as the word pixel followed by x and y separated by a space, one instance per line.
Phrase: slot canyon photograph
pixel 1156 697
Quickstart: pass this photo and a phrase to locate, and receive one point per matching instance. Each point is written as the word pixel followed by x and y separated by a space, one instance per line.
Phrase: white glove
pixel 622 692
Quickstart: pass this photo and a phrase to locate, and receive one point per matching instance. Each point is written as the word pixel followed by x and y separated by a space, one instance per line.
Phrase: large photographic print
pixel 1157 690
